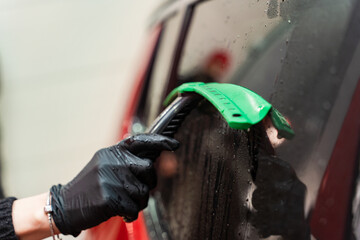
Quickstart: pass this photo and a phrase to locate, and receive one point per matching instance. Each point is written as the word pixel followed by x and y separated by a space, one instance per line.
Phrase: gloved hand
pixel 279 200
pixel 116 182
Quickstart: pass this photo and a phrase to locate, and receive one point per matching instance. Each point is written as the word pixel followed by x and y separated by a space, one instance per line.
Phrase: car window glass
pixel 298 55
pixel 224 31
pixel 163 61
pixel 207 181
pixel 304 75
pixel 280 50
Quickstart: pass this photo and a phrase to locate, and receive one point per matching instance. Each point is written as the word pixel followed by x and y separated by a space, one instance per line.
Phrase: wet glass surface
pixel 302 57
pixel 282 51
pixel 206 195
pixel 224 183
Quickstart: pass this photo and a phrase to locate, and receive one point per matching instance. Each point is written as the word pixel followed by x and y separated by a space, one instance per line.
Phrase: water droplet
pixel 137 128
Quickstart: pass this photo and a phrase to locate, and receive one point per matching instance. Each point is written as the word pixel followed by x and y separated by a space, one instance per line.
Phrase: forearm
pixel 29 218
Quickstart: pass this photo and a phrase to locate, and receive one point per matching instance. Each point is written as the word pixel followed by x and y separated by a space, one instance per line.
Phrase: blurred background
pixel 66 68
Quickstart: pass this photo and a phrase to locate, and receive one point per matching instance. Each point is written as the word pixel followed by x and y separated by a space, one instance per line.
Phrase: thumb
pixel 149 144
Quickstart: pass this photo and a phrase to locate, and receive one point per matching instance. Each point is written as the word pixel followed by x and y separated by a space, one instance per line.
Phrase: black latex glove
pixel 279 200
pixel 116 182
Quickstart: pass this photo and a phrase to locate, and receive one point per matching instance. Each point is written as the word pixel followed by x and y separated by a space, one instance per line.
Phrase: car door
pixel 300 56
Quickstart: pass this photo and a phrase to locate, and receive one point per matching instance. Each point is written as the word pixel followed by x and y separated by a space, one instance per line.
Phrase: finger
pixel 129 195
pixel 137 191
pixel 149 143
pixel 144 170
pixel 128 208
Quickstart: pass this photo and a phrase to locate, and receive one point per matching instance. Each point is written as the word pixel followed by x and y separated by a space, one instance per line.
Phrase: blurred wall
pixel 66 68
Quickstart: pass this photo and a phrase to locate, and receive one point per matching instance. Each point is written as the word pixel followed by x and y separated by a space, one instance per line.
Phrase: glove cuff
pixel 59 216
pixel 6 224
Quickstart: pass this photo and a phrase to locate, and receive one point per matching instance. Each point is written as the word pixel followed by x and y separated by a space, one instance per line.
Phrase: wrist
pixel 29 218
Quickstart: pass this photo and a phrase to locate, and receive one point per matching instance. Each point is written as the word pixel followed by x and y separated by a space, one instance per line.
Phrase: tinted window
pixel 298 55
pixel 301 56
pixel 205 187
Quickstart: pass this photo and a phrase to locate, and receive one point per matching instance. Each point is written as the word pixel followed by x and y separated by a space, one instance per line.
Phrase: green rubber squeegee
pixel 240 107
